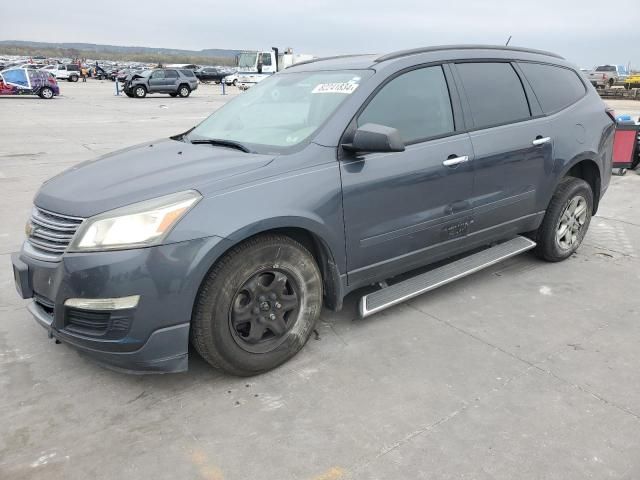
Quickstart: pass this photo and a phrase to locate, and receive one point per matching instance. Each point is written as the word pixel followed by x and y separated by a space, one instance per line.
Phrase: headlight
pixel 138 225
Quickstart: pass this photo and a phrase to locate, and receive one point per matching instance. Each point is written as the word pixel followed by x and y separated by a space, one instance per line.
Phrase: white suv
pixel 69 72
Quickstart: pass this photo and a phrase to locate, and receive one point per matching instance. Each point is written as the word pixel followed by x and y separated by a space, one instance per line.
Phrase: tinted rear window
pixel 555 87
pixel 495 93
pixel 188 73
pixel 170 74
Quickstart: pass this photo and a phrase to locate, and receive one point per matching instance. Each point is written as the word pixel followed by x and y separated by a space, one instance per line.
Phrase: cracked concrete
pixel 526 370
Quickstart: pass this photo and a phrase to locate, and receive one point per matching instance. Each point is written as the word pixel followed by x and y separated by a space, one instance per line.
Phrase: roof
pixel 441 52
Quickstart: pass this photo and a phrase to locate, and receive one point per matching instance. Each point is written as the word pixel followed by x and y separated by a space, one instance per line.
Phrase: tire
pixel 73 78
pixel 235 82
pixel 239 303
pixel 139 91
pixel 46 93
pixel 129 94
pixel 611 82
pixel 184 91
pixel 571 193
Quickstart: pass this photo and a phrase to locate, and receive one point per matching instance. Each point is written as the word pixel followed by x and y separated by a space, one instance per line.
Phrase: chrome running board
pixel 425 282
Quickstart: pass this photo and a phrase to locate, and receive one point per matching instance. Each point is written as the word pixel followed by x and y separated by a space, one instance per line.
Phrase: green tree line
pixel 113 56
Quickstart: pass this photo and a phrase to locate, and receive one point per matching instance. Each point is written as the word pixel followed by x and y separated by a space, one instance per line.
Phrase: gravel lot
pixel 526 370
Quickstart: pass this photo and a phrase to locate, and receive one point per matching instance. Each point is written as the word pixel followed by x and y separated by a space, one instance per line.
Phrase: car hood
pixel 143 172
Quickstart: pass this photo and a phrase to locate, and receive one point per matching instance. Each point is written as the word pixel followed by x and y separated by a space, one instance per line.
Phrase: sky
pixel 576 29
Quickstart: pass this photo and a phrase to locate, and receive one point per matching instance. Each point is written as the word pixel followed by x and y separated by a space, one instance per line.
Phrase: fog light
pixel 120 303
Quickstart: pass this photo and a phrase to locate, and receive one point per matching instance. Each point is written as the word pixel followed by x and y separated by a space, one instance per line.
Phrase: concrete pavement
pixel 527 370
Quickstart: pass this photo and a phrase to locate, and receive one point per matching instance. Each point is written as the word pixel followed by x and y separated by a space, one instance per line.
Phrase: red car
pixel 25 81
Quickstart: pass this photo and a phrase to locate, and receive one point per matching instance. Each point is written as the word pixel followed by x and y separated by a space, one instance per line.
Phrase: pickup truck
pixel 69 72
pixel 605 76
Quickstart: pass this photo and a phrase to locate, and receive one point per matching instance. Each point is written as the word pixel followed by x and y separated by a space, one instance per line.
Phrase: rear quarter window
pixel 555 87
pixel 495 93
pixel 187 73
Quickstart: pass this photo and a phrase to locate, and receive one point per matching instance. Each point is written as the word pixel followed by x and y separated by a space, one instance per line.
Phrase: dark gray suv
pixel 174 82
pixel 329 176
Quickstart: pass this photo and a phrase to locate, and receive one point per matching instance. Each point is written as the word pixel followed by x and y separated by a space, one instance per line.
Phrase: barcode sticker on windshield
pixel 348 87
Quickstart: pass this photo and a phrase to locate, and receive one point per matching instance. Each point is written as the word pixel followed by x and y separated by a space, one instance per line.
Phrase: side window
pixel 17 77
pixel 416 103
pixel 266 59
pixel 158 75
pixel 170 74
pixel 495 93
pixel 555 87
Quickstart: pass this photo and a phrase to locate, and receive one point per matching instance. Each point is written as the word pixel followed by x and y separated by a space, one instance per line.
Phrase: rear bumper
pixel 152 336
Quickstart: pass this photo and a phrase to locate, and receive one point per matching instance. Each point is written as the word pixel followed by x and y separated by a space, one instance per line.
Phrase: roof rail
pixel 415 51
pixel 334 57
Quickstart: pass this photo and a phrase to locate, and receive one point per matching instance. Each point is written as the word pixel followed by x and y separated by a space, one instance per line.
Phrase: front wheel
pixel 258 306
pixel 566 220
pixel 46 93
pixel 140 91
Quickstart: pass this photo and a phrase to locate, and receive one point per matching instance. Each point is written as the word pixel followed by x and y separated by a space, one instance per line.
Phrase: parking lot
pixel 526 370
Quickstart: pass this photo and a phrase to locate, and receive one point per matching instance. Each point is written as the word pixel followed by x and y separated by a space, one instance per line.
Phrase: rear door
pixel 512 145
pixel 170 79
pixel 399 207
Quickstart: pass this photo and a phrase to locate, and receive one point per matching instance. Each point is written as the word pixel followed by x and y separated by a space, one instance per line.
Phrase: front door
pixel 399 208
pixel 156 81
pixel 512 143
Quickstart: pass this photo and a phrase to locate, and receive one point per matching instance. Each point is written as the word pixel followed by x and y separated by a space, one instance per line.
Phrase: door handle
pixel 541 140
pixel 453 161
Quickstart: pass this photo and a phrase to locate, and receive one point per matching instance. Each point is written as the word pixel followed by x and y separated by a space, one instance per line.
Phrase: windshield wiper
pixel 223 143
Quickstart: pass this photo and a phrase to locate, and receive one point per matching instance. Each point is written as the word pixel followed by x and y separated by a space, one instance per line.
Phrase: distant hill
pixel 117 52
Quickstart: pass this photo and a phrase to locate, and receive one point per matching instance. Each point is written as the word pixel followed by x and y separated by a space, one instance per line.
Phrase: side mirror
pixel 372 137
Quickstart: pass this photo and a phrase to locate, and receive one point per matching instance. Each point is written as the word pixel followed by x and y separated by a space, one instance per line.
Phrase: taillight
pixel 611 113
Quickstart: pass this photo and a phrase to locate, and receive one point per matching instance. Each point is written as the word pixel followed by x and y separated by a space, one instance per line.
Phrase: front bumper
pixel 152 337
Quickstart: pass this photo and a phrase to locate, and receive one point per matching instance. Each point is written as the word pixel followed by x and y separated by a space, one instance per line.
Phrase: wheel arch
pixel 586 168
pixel 309 235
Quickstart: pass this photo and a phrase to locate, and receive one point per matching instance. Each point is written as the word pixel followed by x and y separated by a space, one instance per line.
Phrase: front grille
pixel 51 233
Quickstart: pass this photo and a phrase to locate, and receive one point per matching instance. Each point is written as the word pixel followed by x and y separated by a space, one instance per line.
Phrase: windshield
pixel 282 111
pixel 247 60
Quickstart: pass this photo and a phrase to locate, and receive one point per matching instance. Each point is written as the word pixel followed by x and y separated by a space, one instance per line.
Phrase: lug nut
pixel 272 317
pixel 278 305
pixel 261 298
pixel 272 296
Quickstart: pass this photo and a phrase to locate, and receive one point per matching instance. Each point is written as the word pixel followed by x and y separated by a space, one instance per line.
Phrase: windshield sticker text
pixel 348 87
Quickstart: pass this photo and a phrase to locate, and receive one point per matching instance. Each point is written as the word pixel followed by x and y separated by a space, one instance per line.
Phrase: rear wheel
pixel 45 92
pixel 184 91
pixel 73 78
pixel 140 91
pixel 566 220
pixel 258 306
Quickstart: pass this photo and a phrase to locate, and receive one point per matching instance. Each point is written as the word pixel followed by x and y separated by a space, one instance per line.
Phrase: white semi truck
pixel 253 67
